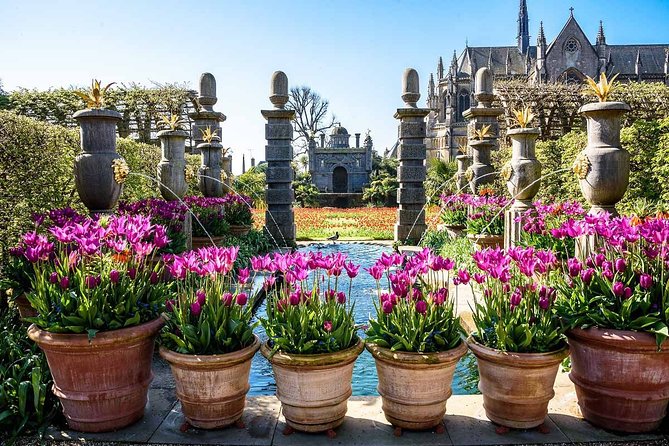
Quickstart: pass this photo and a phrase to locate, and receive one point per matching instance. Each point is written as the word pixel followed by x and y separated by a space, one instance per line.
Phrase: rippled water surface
pixel 364 290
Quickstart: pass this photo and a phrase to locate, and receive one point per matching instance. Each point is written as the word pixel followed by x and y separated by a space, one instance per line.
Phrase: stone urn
pixel 226 166
pixel 621 378
pixel 209 173
pixel 414 387
pixel 93 172
pixel 516 387
pixel 172 165
pixel 603 167
pixel 481 170
pixel 313 389
pixel 212 388
pixel 101 383
pixel 463 161
pixel 523 172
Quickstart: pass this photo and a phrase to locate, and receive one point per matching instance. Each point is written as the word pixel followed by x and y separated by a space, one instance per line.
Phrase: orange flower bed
pixel 352 223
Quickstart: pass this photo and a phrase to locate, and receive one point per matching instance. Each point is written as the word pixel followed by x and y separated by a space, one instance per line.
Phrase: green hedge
pixel 36 162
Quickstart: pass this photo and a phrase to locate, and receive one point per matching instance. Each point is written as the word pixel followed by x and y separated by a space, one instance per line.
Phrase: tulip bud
pixel 341 297
pixel 65 282
pixel 53 277
pixel 242 298
pixel 114 276
pixel 327 326
pixel 621 265
pixel 421 306
pixel 195 309
pixel 646 281
pixel 387 307
pixel 618 288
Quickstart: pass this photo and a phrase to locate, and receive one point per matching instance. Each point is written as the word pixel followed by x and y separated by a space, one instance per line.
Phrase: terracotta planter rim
pixel 316 360
pixel 524 131
pixel 102 339
pixel 618 339
pixel 417 358
pixel 172 133
pixel 485 237
pixel 538 360
pixel 101 113
pixel 210 361
pixel 605 106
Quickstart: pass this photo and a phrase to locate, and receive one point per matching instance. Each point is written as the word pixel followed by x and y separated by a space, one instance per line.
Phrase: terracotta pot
pixel 483 241
pixel 212 388
pixel 414 387
pixel 516 387
pixel 103 383
pixel 621 379
pixel 25 308
pixel 203 242
pixel 313 389
pixel 239 230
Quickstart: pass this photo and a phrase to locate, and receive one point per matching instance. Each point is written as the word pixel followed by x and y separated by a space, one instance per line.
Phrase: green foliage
pixel 252 184
pixel 559 155
pixel 306 193
pixel 140 106
pixel 302 328
pixel 211 221
pixel 4 99
pixel 36 172
pixel 405 329
pixel 26 400
pixel 383 184
pixel 252 244
pixel 440 179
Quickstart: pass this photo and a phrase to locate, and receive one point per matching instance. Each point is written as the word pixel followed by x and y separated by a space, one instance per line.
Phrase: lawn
pixel 352 224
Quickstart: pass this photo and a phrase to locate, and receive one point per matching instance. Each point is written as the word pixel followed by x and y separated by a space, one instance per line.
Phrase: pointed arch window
pixel 463 103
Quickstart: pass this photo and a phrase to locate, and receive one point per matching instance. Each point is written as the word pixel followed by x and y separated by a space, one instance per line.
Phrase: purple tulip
pixel 621 265
pixel 421 306
pixel 242 298
pixel 627 292
pixel 574 266
pixel 341 297
pixel 153 278
pixel 65 282
pixel 599 259
pixel 200 296
pixel 227 299
pixel 646 281
pixel 586 275
pixel 90 282
pixel 327 326
pixel 114 276
pixel 195 309
pixel 169 305
pixel 294 298
pixel 544 303
pixel 387 307
pixel 618 289
pixel 132 273
pixel 53 277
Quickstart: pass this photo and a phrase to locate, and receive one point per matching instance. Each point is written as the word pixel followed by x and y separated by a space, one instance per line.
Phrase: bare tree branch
pixel 311 116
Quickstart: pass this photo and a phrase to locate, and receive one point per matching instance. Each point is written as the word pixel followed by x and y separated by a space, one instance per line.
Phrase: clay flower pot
pixel 93 173
pixel 603 166
pixel 483 241
pixel 172 166
pixel 212 388
pixel 621 379
pixel 313 389
pixel 516 387
pixel 414 387
pixel 25 308
pixel 240 230
pixel 102 384
pixel 203 242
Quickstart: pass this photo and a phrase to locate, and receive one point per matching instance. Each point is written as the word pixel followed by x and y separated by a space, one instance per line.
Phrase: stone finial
pixel 410 87
pixel 483 87
pixel 208 85
pixel 278 94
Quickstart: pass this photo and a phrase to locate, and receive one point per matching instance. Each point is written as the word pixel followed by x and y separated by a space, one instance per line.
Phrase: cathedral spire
pixel 601 38
pixel 541 38
pixel 523 28
pixel 440 68
pixel 490 59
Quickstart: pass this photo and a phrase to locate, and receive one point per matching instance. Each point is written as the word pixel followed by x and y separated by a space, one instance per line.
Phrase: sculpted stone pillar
pixel 522 176
pixel 482 131
pixel 205 117
pixel 279 216
pixel 411 153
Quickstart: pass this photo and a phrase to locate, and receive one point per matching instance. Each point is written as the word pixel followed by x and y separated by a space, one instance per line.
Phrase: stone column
pixel 522 175
pixel 204 117
pixel 279 217
pixel 480 117
pixel 411 154
pixel 464 162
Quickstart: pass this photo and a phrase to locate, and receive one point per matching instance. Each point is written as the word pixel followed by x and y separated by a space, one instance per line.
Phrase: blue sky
pixel 351 52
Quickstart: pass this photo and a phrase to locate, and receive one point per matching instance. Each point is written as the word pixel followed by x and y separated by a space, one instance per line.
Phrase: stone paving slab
pixel 364 425
pixel 260 417
pixel 159 405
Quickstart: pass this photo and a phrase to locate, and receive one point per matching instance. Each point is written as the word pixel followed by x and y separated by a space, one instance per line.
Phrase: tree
pixel 4 100
pixel 311 116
